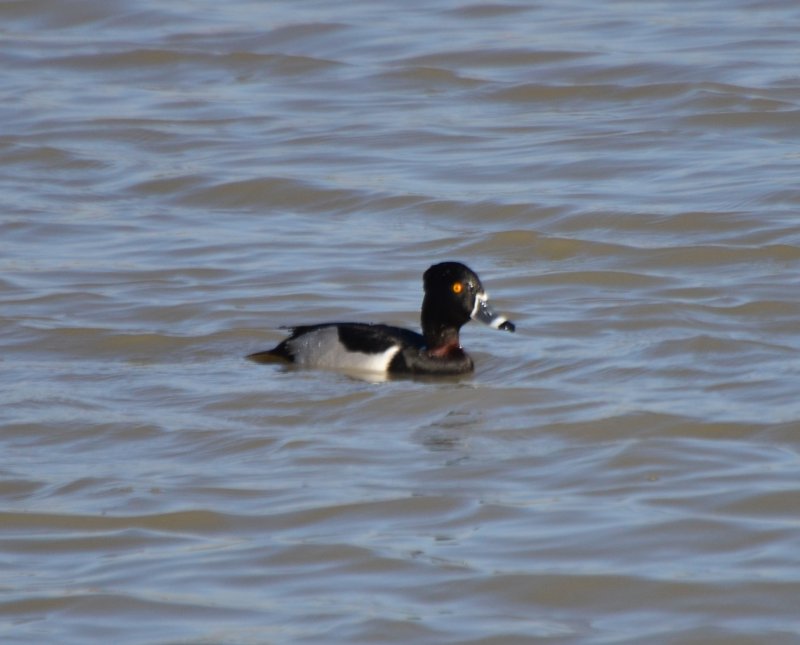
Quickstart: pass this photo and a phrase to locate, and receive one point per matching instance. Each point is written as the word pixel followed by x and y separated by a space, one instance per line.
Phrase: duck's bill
pixel 484 313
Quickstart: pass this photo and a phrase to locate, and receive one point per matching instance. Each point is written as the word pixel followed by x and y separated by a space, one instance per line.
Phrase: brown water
pixel 179 179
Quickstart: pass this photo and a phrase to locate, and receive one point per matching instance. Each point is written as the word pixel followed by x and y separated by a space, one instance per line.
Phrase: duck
pixel 453 295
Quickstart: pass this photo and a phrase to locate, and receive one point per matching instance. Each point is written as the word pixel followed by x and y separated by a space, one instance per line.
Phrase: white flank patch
pixel 322 349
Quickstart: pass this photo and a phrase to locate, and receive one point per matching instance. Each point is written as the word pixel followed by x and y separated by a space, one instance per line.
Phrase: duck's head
pixel 454 295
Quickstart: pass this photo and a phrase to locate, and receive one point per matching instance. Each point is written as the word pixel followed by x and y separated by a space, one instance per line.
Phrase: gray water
pixel 179 180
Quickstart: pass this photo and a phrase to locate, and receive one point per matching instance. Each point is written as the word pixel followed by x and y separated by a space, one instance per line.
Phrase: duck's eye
pixel 457 287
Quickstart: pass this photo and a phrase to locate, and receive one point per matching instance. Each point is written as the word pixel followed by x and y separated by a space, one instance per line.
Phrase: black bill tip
pixel 507 325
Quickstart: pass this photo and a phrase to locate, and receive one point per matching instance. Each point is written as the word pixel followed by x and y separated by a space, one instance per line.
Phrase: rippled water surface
pixel 181 179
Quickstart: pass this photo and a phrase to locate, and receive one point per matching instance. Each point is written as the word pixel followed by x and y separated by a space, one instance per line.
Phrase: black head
pixel 453 295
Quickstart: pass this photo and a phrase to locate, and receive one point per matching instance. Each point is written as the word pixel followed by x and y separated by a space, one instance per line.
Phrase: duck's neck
pixel 440 327
pixel 441 339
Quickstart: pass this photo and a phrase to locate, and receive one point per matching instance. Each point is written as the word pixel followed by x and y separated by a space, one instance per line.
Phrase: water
pixel 179 180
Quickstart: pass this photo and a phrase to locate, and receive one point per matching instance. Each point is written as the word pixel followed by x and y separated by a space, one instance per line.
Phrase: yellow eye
pixel 457 287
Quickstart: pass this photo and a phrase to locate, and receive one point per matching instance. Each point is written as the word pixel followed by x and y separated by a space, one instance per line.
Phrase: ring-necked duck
pixel 453 295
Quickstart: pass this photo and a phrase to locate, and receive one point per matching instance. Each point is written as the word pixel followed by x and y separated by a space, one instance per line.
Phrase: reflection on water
pixel 179 182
